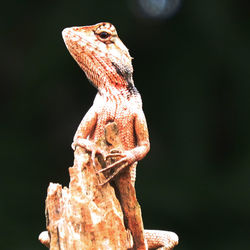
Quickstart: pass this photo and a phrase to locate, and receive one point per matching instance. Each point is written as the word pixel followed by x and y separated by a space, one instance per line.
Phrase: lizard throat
pixel 110 80
pixel 117 90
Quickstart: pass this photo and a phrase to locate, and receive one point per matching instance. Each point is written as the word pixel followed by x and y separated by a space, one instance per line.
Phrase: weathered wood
pixel 87 215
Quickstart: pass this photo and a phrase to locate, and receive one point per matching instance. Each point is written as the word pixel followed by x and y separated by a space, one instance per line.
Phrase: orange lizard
pixel 107 64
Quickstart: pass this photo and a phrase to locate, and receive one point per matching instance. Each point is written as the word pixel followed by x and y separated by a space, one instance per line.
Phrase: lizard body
pixel 107 64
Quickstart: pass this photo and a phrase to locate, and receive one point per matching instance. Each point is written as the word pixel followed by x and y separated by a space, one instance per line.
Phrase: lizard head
pixel 100 53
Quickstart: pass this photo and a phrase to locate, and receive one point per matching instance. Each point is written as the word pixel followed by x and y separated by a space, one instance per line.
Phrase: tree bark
pixel 87 215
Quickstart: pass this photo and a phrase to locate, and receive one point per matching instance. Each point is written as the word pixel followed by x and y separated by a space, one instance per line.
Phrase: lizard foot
pixel 127 159
pixel 89 146
pixel 113 174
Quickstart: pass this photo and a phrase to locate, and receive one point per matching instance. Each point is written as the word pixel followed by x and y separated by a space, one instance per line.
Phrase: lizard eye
pixel 104 35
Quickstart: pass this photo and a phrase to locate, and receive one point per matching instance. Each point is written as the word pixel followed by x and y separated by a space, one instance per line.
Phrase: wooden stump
pixel 87 215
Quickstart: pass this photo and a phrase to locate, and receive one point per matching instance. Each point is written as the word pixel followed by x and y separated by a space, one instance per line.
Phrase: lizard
pixel 108 65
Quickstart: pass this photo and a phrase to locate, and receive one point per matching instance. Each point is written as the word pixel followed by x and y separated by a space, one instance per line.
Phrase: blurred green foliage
pixel 193 74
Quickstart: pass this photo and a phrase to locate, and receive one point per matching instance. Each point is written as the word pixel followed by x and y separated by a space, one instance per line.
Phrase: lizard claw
pixel 93 154
pixel 127 159
pixel 113 174
pixel 115 164
pixel 114 153
pixel 89 146
pixel 97 151
pixel 82 143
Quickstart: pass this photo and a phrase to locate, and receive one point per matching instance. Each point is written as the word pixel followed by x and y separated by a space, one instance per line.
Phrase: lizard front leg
pixel 128 157
pixel 85 129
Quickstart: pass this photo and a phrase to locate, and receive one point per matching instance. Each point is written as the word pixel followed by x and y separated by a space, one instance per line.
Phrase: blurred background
pixel 191 62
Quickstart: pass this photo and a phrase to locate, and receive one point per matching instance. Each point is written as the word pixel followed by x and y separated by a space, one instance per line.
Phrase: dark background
pixel 192 69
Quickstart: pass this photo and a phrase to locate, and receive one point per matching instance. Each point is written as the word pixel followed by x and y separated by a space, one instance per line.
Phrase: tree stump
pixel 88 215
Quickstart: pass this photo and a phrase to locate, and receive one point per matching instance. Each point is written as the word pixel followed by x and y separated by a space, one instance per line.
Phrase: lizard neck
pixel 117 91
pixel 116 85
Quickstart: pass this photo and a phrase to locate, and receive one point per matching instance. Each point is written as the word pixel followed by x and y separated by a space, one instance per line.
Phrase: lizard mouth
pixel 74 39
pixel 65 33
